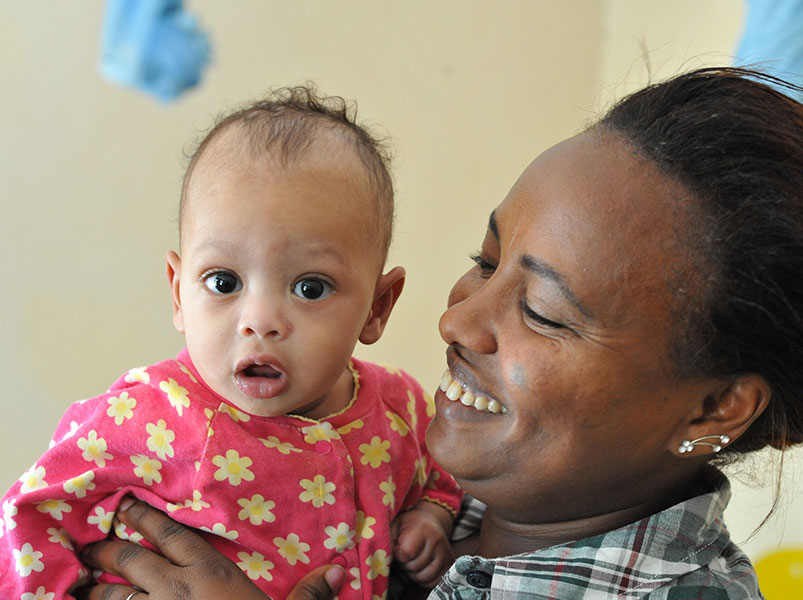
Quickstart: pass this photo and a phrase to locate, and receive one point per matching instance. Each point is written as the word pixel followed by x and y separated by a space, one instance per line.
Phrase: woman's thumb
pixel 322 583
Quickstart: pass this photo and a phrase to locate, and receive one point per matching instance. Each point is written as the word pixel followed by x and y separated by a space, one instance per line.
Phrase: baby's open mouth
pixel 260 377
pixel 261 371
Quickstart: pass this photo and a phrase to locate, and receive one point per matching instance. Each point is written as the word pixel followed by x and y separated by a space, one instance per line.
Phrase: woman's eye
pixel 534 316
pixel 485 267
pixel 223 283
pixel 312 289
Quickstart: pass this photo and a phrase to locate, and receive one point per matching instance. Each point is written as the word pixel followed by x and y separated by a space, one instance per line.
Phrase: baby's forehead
pixel 234 148
pixel 323 172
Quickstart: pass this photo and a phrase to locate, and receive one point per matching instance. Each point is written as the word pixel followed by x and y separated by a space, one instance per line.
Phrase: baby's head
pixel 285 223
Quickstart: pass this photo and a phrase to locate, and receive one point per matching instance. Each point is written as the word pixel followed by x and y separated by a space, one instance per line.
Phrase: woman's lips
pixel 260 377
pixel 456 391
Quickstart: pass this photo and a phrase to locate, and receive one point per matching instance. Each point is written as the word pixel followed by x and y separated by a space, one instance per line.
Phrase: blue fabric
pixel 154 46
pixel 772 40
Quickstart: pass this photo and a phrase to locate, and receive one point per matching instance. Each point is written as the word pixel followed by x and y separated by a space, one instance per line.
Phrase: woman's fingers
pixel 180 545
pixel 125 559
pixel 322 583
pixel 112 591
pixel 189 568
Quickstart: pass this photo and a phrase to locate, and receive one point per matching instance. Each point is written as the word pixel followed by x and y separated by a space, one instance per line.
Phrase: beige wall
pixel 469 90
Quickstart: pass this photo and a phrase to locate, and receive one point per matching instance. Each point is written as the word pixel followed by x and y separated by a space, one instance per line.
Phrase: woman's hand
pixel 189 567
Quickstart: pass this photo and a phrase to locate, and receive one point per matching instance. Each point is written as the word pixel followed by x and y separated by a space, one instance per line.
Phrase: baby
pixel 263 432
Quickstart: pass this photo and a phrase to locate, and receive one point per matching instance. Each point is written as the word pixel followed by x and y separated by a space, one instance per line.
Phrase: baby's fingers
pixel 409 546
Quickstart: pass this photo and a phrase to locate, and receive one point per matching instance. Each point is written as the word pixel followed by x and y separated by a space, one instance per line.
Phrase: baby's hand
pixel 421 542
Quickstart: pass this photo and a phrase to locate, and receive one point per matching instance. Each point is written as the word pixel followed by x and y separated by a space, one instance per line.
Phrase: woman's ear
pixel 174 277
pixel 725 415
pixel 388 289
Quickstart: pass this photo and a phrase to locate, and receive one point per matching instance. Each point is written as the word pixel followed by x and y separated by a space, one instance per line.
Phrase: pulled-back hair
pixel 736 144
pixel 287 123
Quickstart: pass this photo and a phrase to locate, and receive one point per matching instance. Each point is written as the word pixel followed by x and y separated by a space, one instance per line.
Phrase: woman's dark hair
pixel 736 144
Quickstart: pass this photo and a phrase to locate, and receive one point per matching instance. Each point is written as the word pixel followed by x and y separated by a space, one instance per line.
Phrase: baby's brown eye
pixel 222 283
pixel 312 289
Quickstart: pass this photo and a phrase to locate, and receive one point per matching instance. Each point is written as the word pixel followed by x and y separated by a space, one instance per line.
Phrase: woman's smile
pixel 457 391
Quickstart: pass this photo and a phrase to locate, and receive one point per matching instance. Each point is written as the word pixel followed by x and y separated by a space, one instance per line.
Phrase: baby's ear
pixel 174 277
pixel 388 289
pixel 725 415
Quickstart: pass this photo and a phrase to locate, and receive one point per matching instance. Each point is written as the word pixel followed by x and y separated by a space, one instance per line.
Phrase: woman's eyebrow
pixel 545 271
pixel 493 226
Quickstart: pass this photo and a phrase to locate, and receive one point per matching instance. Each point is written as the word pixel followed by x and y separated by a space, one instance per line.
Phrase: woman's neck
pixel 501 537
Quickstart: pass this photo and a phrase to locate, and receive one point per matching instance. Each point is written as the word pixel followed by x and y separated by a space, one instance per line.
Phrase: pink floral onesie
pixel 277 495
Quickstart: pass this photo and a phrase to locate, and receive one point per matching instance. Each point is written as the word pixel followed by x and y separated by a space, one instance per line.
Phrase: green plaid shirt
pixel 681 553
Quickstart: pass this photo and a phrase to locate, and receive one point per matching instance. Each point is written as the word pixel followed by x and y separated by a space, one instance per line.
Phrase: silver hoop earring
pixel 707 440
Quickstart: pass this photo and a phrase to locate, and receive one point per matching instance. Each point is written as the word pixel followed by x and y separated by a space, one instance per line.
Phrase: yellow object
pixel 780 574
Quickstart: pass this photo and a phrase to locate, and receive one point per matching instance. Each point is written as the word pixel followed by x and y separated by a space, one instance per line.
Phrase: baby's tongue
pixel 261 371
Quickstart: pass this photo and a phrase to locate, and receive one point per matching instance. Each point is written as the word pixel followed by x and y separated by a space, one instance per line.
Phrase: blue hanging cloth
pixel 772 40
pixel 154 46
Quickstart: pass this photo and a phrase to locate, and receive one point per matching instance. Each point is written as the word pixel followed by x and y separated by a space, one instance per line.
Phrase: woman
pixel 637 310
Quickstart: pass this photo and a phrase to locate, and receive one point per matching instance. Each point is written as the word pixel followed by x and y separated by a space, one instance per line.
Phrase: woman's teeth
pixel 454 391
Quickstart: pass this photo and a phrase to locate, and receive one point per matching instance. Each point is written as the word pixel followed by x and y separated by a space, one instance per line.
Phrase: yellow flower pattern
pixel 137 374
pixel 255 565
pixel 26 560
pixel 375 453
pixel 233 467
pixel 176 395
pixel 320 432
pixel 94 449
pixel 54 508
pixel 389 488
pixel 421 470
pixel 349 427
pixel 365 526
pixel 257 510
pixel 80 485
pixel 236 415
pixel 284 447
pixel 378 564
pixel 205 481
pixel 220 529
pixel 339 538
pixel 430 405
pixel 411 410
pixel 160 439
pixel 40 594
pixel 147 469
pixel 61 537
pixel 102 519
pixel 397 424
pixel 292 549
pixel 33 479
pixel 318 491
pixel 121 407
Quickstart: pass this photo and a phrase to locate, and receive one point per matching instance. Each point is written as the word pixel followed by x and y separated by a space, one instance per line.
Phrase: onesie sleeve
pixel 439 486
pixel 102 448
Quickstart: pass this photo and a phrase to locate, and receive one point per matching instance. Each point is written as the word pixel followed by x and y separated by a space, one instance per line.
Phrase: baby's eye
pixel 312 289
pixel 223 283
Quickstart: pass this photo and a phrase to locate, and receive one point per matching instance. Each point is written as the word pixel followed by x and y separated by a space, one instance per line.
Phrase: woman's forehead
pixel 602 219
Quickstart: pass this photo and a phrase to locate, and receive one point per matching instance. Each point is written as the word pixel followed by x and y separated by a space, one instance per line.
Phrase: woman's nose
pixel 469 319
pixel 263 319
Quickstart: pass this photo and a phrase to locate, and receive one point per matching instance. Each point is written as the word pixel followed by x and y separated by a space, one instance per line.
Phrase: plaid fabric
pixel 681 553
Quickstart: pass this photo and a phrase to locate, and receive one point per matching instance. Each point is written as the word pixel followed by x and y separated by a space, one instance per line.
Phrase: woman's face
pixel 566 321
